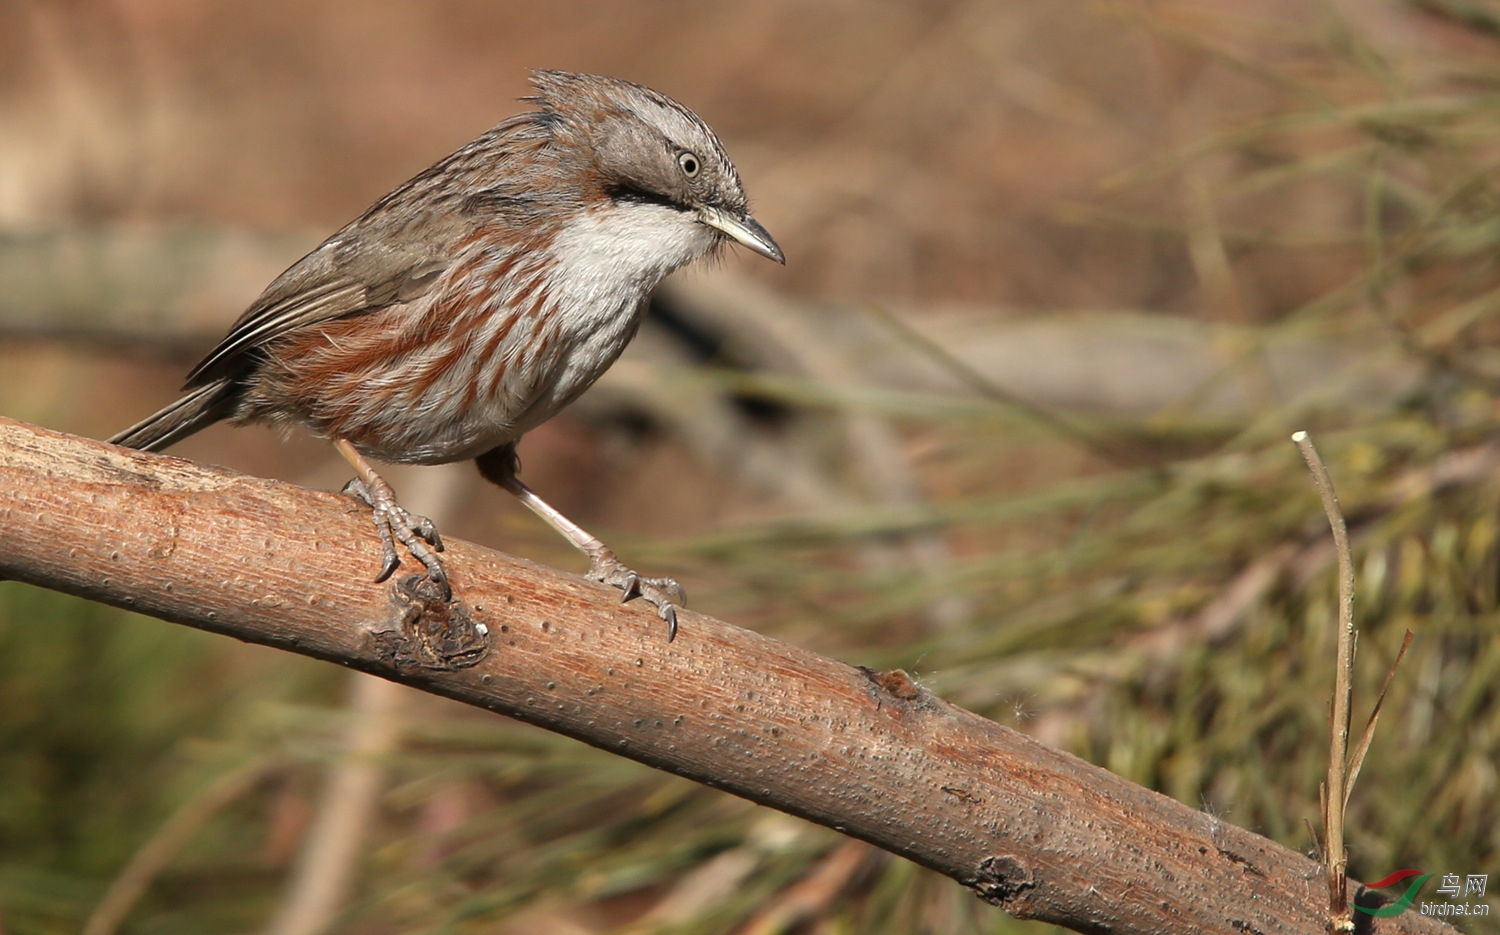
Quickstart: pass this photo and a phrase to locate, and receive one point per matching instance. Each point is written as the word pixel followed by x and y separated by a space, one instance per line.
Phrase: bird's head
pixel 643 148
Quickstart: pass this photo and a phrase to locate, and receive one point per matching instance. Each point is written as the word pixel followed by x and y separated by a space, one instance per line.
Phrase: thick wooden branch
pixel 872 754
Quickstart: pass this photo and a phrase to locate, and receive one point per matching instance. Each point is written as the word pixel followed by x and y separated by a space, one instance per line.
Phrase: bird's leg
pixel 393 522
pixel 499 467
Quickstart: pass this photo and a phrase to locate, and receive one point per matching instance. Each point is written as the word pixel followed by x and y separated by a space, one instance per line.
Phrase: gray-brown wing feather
pixel 395 252
pixel 326 284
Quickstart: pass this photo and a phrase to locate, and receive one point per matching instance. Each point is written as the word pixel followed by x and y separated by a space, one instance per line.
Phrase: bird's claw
pixel 665 594
pixel 395 524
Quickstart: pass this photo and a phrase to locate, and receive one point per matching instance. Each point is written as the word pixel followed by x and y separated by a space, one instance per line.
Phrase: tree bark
pixel 872 754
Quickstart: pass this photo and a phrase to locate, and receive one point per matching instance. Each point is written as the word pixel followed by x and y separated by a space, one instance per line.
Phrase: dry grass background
pixel 1182 230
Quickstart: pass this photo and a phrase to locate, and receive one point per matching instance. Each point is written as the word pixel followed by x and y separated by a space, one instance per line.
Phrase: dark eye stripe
pixel 640 196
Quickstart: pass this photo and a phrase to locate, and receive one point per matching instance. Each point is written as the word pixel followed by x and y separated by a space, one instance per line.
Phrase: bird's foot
pixel 395 524
pixel 665 594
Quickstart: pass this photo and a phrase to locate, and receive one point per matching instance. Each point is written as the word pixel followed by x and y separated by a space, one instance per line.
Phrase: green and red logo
pixel 1399 906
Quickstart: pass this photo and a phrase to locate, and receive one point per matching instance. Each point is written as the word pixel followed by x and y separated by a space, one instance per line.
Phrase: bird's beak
pixel 744 229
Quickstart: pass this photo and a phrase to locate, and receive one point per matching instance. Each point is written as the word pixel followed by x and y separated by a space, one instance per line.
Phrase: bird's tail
pixel 197 410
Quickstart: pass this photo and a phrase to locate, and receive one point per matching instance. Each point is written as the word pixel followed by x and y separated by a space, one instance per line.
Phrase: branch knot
pixel 432 633
pixel 1001 880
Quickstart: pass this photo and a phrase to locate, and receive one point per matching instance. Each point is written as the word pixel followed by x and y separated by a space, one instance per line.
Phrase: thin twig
pixel 162 847
pixel 1317 845
pixel 1336 792
pixel 1369 732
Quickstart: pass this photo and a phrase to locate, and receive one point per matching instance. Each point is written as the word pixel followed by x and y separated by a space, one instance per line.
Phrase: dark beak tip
pixel 769 241
pixel 773 249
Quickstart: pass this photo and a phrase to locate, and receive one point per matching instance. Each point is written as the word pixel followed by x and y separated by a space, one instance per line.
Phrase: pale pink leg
pixel 665 594
pixel 392 521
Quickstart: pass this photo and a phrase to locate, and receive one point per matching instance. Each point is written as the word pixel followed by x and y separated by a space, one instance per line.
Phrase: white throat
pixel 627 246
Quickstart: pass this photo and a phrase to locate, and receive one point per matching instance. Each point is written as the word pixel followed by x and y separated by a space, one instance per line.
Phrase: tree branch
pixel 872 754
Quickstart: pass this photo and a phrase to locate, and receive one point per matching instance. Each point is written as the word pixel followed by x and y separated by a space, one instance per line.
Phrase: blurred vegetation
pixel 1153 593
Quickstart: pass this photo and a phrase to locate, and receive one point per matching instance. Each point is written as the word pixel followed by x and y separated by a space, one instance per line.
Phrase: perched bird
pixel 474 302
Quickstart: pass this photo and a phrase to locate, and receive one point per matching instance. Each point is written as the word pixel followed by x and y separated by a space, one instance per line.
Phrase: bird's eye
pixel 689 164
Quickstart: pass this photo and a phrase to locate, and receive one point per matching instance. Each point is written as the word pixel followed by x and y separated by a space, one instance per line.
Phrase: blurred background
pixel 1062 278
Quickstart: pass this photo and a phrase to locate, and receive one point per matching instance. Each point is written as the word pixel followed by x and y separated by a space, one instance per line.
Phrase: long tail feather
pixel 197 410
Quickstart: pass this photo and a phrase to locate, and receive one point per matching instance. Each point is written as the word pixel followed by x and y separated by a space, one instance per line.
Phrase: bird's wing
pixel 398 249
pixel 356 270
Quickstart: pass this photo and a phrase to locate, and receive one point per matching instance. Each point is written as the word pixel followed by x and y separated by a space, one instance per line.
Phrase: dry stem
pixel 1336 793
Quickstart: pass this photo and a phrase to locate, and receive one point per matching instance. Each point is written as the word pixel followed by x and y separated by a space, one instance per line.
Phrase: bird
pixel 477 300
